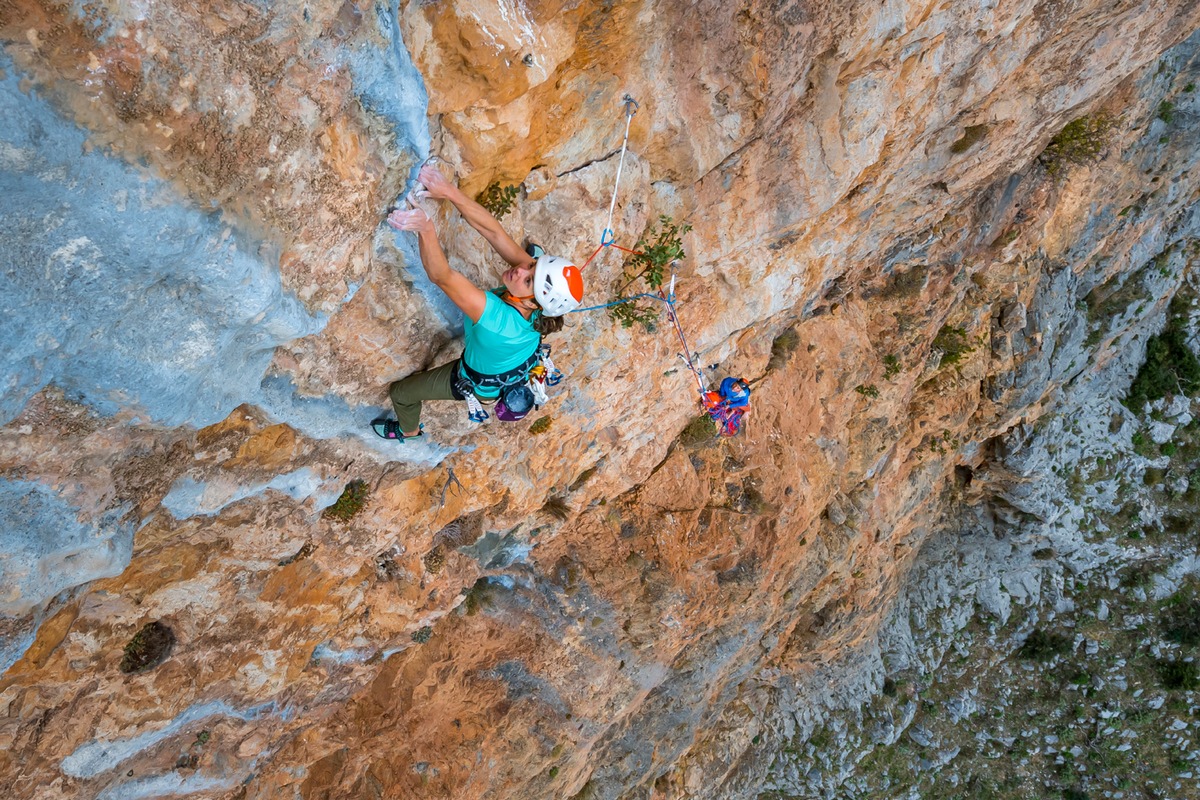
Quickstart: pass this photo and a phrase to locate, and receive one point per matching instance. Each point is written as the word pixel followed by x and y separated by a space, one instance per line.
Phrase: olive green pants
pixel 408 393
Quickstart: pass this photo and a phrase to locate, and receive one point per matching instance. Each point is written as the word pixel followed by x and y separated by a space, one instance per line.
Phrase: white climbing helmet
pixel 557 285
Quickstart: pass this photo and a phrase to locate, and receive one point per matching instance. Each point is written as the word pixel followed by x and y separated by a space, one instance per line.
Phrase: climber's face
pixel 519 280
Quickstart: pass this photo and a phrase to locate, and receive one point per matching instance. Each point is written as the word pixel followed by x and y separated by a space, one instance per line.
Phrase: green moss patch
pixel 351 501
pixel 700 431
pixel 148 648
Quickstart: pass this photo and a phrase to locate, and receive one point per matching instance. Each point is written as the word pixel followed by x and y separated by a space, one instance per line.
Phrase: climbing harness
pixel 728 405
pixel 521 389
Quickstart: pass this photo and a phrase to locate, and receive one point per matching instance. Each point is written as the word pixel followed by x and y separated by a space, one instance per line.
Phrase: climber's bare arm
pixel 478 217
pixel 464 294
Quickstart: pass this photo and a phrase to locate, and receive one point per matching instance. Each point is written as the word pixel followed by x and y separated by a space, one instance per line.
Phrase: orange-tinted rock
pixel 636 647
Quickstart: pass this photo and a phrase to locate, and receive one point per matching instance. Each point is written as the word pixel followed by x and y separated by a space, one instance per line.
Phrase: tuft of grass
pixel 867 390
pixel 583 478
pixel 782 348
pixel 1166 111
pixel 906 285
pixel 148 648
pixel 891 366
pixel 422 635
pixel 952 341
pixel 701 430
pixel 1079 142
pixel 972 135
pixel 350 502
pixel 556 507
pixel 540 425
pixel 497 199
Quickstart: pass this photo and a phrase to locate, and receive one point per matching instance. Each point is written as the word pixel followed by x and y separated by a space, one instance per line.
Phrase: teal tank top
pixel 502 339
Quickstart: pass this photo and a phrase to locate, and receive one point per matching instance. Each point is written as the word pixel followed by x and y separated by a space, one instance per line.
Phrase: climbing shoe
pixel 390 429
pixel 534 250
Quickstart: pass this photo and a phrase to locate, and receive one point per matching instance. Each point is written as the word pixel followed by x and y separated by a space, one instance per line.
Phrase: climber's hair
pixel 546 325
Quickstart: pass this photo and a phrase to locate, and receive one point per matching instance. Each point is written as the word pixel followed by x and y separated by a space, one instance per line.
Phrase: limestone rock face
pixel 203 308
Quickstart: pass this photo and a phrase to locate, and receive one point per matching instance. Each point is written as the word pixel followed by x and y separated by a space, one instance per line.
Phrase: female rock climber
pixel 503 328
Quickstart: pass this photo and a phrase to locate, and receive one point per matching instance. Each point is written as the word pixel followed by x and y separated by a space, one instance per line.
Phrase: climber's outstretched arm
pixel 478 217
pixel 464 294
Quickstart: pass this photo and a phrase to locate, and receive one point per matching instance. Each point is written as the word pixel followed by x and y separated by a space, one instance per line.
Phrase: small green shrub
pixel 148 648
pixel 497 199
pixel 867 390
pixel 540 425
pixel 1168 448
pixel 1180 618
pixel 661 244
pixel 1140 575
pixel 351 501
pixel 972 134
pixel 1191 87
pixel 1080 142
pixel 422 635
pixel 1042 646
pixel 583 478
pixel 952 341
pixel 891 366
pixel 1170 367
pixel 1166 111
pixel 481 595
pixel 1177 674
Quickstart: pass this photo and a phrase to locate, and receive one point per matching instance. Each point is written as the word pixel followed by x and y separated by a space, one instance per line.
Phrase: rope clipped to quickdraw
pixel 731 401
pixel 607 236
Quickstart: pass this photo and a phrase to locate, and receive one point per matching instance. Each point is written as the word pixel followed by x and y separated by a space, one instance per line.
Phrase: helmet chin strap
pixel 520 298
